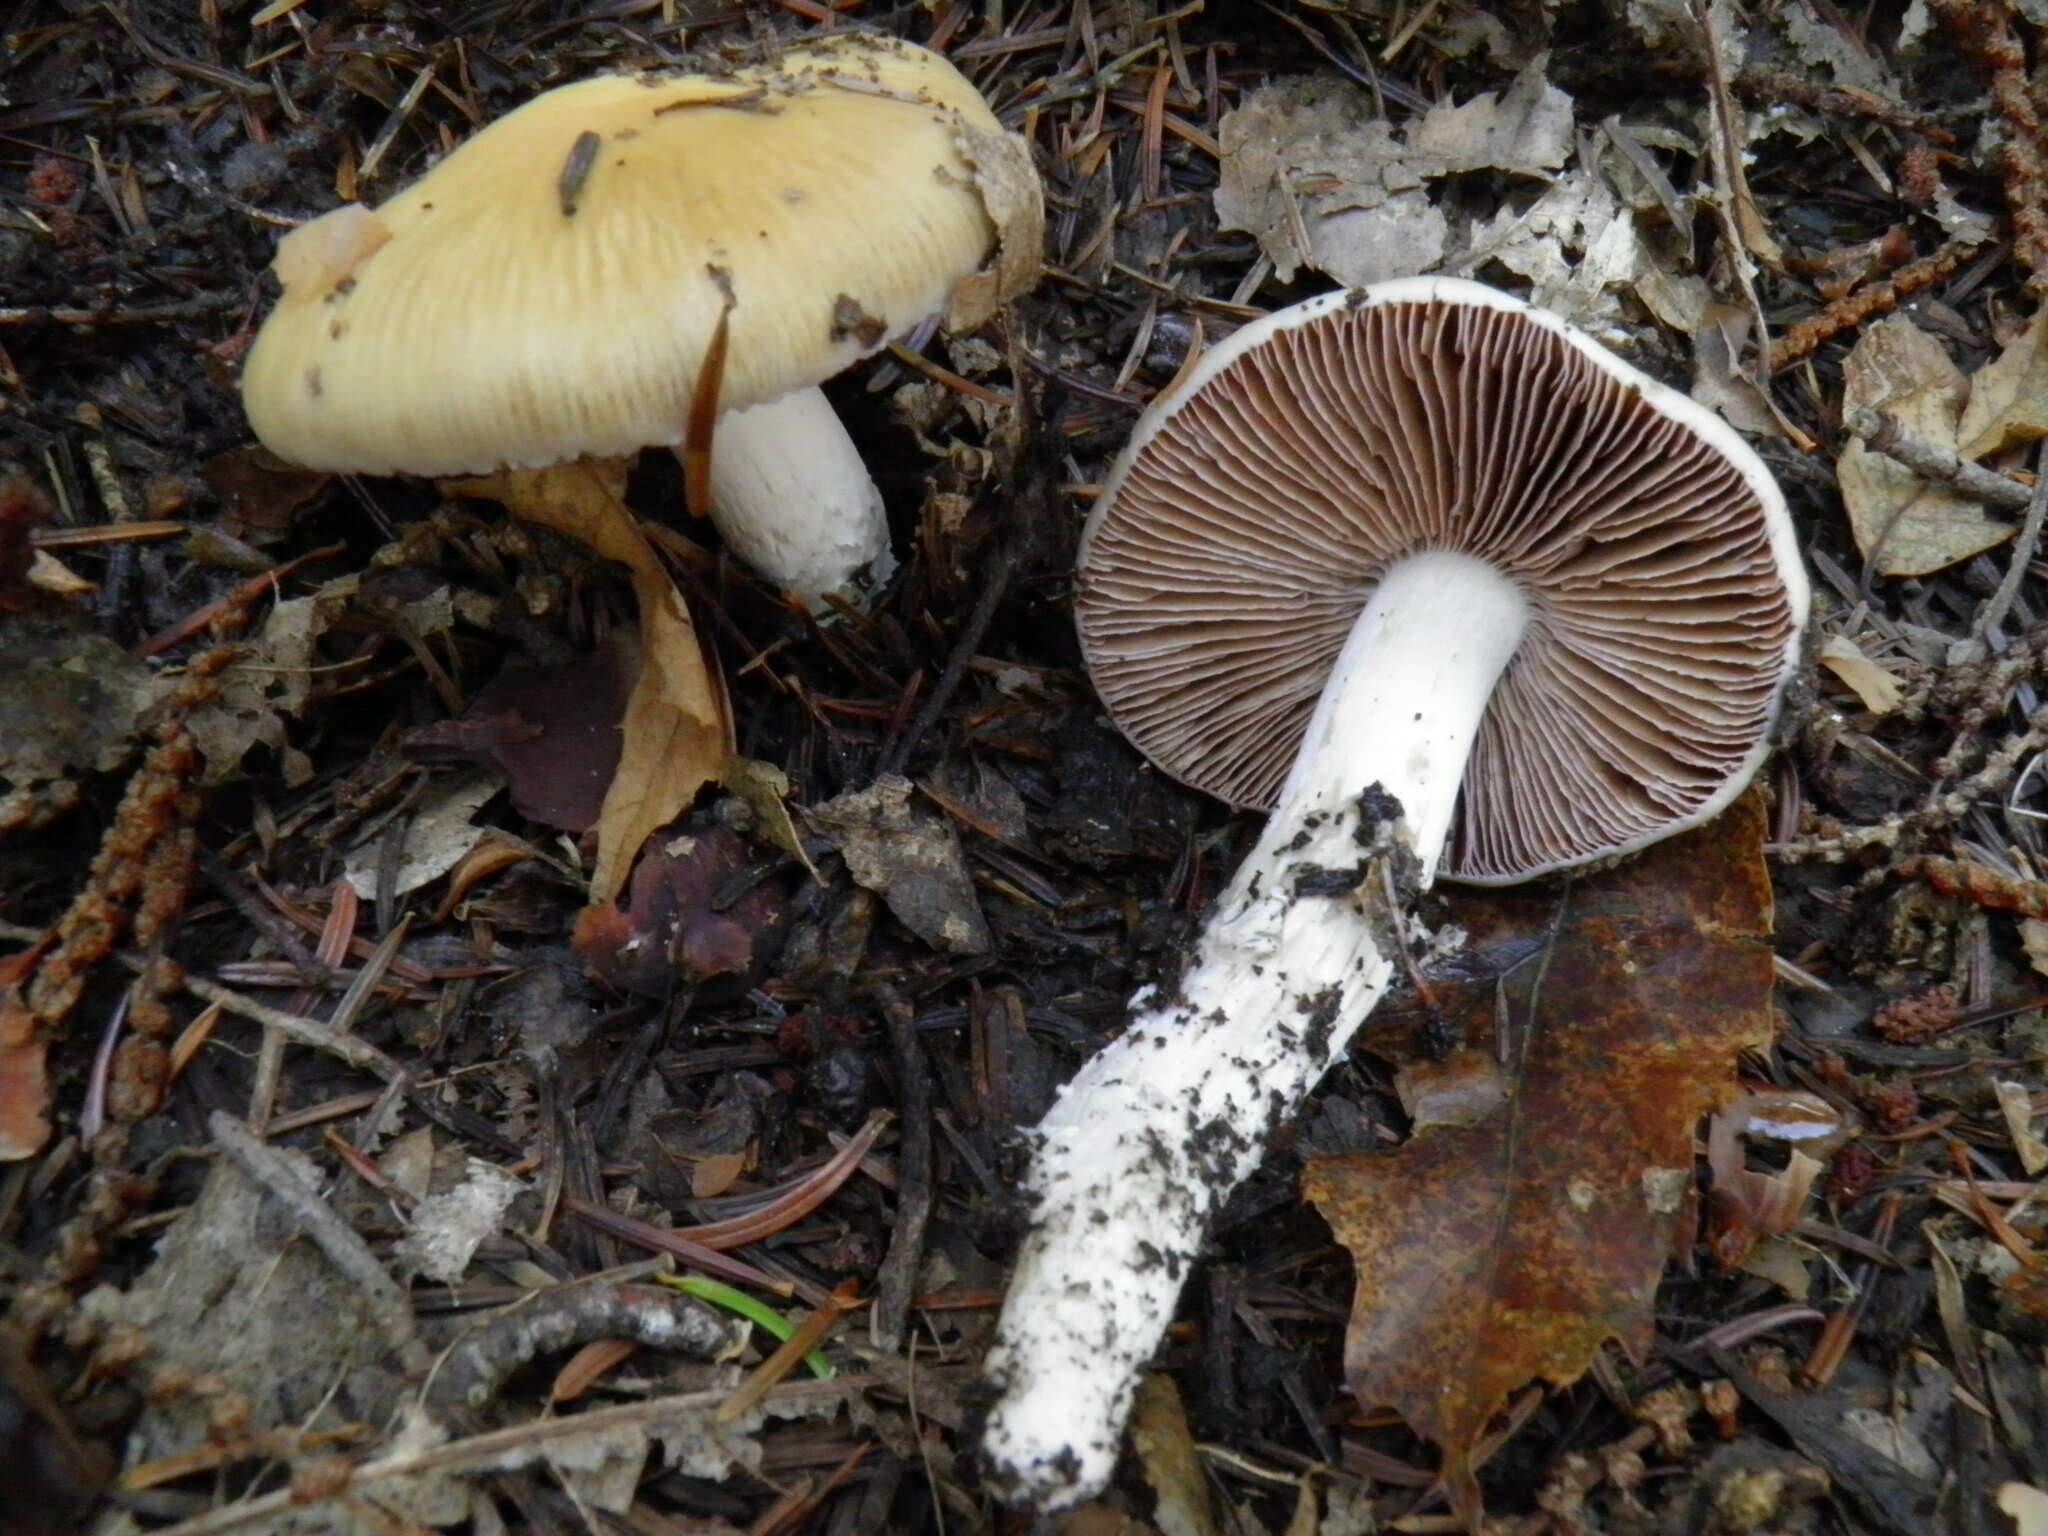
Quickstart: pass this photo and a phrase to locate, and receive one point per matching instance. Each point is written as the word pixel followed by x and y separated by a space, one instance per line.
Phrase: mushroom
pixel 556 288
pixel 1453 590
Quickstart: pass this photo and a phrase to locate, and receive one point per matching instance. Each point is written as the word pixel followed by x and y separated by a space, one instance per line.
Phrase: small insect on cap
pixel 1247 524
pixel 548 291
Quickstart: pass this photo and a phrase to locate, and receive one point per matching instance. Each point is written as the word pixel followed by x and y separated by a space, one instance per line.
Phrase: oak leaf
pixel 1496 1248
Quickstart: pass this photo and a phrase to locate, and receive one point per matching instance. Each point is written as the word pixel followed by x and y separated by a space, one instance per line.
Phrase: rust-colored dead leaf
pixel 24 1081
pixel 1512 1247
pixel 678 728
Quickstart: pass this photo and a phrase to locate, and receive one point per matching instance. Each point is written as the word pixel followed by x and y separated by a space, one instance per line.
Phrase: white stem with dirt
pixel 791 497
pixel 1155 1131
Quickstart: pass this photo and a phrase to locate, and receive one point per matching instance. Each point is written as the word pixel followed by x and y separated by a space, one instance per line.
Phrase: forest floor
pixel 368 1139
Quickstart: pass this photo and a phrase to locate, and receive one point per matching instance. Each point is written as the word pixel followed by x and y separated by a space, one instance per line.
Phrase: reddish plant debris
pixel 553 732
pixel 1516 1245
pixel 53 179
pixel 684 922
pixel 1913 1020
pixel 23 509
pixel 1852 1173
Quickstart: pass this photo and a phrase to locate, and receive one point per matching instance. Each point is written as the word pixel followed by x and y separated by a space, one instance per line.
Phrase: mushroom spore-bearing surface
pixel 1446 585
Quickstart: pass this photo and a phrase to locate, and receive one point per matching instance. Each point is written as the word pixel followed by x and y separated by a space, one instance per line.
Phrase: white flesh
pixel 791 497
pixel 1153 1133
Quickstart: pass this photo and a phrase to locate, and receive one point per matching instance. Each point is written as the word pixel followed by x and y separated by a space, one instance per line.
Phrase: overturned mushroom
pixel 564 284
pixel 1446 585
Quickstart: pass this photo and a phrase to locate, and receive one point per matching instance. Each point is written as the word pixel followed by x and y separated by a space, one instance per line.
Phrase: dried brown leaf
pixel 24 1080
pixel 677 728
pixel 553 732
pixel 1904 525
pixel 1513 1248
pixel 2008 396
pixel 1871 682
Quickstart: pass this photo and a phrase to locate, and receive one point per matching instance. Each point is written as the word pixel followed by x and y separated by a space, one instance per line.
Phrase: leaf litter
pixel 1838 156
pixel 1511 1239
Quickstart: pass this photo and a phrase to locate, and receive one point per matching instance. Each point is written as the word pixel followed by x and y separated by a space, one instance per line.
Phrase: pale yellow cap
pixel 547 292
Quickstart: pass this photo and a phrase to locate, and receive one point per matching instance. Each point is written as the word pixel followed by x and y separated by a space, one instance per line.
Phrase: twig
pixel 1993 613
pixel 269 1168
pixel 1930 461
pixel 478 1362
pixel 896 1283
pixel 357 1053
pixel 514 1447
pixel 145 314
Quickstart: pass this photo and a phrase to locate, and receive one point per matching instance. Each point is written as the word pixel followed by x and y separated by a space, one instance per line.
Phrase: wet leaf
pixel 677 728
pixel 72 703
pixel 271 681
pixel 765 788
pixel 439 835
pixel 1514 1246
pixel 260 491
pixel 1324 183
pixel 911 858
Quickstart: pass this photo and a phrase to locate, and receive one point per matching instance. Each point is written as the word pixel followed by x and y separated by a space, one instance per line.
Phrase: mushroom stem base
pixel 791 497
pixel 1154 1132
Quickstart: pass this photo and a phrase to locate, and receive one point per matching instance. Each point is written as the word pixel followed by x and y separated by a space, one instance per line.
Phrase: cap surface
pixel 1244 528
pixel 547 291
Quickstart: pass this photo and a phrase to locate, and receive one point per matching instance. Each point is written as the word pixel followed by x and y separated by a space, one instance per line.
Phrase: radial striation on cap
pixel 1240 536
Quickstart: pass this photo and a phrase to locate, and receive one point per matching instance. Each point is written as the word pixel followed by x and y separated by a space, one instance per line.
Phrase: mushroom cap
pixel 548 291
pixel 1245 526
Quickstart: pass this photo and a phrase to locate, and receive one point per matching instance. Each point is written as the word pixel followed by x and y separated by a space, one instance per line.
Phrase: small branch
pixel 516 1446
pixel 897 1282
pixel 1992 615
pixel 357 1053
pixel 1883 434
pixel 995 582
pixel 569 1315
